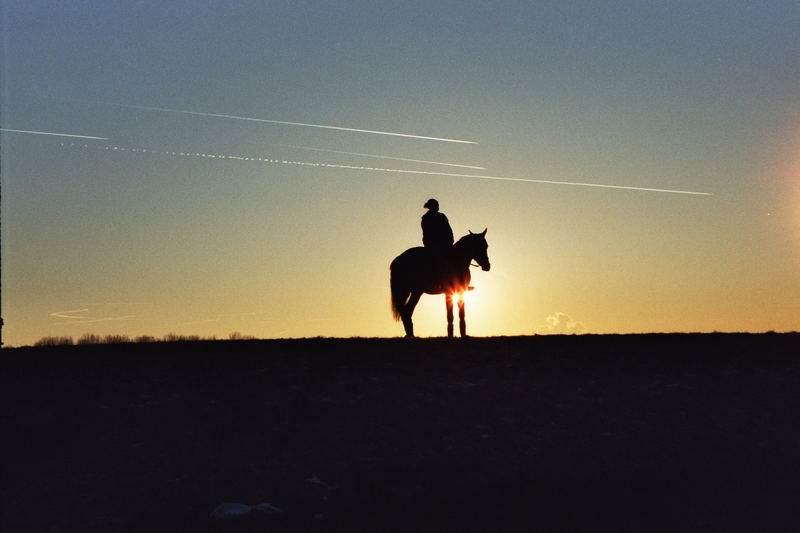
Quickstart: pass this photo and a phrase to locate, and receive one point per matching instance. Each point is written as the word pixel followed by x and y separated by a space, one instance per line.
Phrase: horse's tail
pixel 399 293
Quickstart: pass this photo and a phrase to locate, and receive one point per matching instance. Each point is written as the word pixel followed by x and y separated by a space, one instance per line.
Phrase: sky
pixel 164 169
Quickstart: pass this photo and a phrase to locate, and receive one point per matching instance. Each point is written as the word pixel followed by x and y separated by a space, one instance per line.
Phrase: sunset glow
pixel 636 165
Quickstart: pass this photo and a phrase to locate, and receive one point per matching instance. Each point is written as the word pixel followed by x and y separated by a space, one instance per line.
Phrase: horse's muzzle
pixel 486 267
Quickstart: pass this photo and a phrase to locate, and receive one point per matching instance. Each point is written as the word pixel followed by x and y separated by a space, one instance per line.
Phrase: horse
pixel 418 270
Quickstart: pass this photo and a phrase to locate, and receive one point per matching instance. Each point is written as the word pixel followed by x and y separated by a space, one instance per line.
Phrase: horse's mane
pixel 466 238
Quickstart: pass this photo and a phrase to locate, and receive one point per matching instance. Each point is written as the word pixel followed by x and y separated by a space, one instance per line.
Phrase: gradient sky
pixel 149 230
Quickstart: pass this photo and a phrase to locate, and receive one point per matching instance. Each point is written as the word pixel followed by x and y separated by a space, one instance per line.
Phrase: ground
pixel 543 433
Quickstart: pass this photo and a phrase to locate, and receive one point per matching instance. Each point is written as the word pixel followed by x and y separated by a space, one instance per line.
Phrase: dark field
pixel 587 433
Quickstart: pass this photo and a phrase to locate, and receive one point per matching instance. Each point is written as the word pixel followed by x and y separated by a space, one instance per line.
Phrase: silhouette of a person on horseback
pixel 439 267
pixel 437 235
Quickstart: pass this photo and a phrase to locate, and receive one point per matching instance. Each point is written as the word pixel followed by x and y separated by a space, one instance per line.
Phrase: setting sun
pixel 468 296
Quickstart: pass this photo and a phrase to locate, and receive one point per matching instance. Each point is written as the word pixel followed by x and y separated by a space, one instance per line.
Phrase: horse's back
pixel 412 256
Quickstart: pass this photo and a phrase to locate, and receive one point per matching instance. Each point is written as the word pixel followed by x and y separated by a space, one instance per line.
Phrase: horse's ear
pixel 470 232
pixel 484 232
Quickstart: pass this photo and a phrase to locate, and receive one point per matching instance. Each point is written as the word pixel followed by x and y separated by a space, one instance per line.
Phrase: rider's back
pixel 436 231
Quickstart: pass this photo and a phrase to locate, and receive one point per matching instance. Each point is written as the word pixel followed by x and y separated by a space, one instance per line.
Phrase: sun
pixel 465 296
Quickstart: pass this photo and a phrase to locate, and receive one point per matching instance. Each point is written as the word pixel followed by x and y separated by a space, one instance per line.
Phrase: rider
pixel 436 232
pixel 437 236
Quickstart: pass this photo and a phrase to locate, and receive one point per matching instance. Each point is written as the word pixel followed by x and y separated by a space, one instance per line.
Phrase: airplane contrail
pixel 207 155
pixel 303 124
pixel 504 178
pixel 380 156
pixel 54 134
pixel 79 316
pixel 586 184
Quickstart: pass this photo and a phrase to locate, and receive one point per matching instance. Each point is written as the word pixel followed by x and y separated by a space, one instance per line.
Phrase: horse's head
pixel 477 245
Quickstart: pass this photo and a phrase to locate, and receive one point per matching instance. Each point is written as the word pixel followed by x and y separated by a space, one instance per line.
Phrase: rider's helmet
pixel 432 205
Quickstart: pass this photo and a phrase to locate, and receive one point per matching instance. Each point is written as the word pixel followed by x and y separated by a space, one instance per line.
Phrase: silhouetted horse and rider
pixel 438 267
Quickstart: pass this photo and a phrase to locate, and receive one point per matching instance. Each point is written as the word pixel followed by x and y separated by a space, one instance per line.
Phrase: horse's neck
pixel 461 254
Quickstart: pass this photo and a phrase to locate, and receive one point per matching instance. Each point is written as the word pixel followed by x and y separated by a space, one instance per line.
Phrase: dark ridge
pixel 663 432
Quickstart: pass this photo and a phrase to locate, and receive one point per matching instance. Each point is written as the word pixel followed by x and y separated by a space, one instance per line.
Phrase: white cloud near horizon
pixel 562 324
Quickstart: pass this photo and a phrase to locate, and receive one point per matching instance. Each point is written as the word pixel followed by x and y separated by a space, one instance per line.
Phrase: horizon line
pixel 174 337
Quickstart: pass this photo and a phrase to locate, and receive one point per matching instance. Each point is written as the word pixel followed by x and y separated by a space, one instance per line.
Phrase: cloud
pixel 561 324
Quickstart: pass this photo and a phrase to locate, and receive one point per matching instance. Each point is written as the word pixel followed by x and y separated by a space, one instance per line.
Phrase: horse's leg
pixel 462 316
pixel 448 303
pixel 408 310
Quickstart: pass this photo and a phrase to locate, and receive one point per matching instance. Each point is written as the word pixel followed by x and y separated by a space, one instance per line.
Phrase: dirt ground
pixel 548 433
